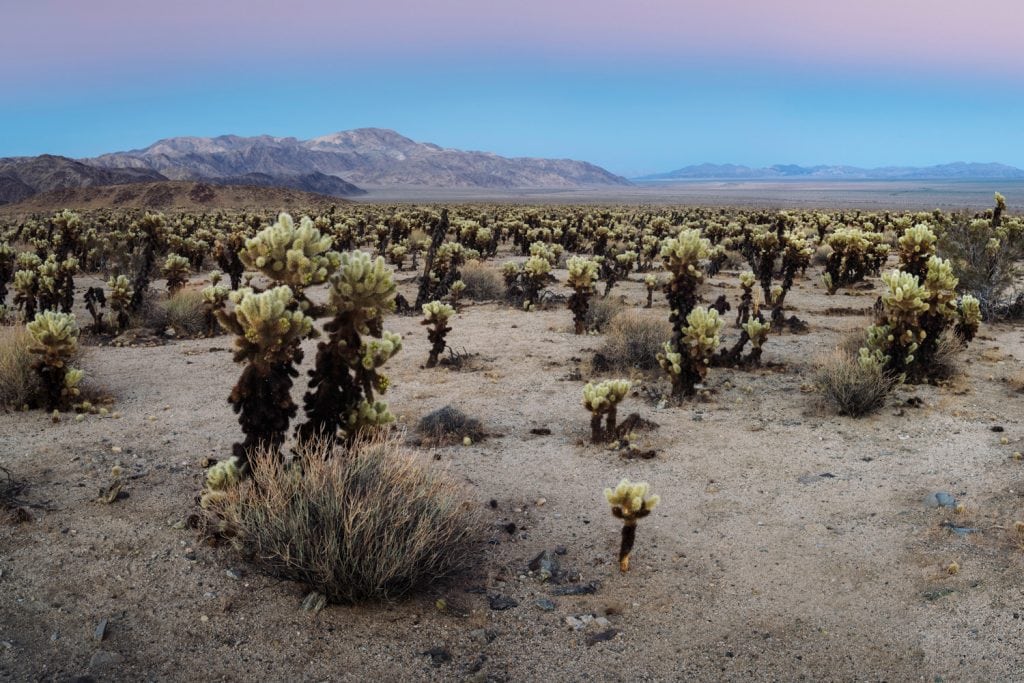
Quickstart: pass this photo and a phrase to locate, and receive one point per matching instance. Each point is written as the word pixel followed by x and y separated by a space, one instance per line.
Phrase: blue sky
pixel 609 101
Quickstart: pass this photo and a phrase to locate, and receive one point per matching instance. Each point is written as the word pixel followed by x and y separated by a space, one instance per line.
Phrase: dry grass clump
pixel 371 522
pixel 946 363
pixel 849 388
pixel 449 425
pixel 182 311
pixel 633 340
pixel 600 313
pixel 483 282
pixel 19 384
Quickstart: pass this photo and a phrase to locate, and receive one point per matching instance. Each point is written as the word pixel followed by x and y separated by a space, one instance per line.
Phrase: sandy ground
pixel 789 544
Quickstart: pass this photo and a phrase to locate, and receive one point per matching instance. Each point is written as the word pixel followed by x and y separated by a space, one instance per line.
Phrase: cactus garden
pixel 828 403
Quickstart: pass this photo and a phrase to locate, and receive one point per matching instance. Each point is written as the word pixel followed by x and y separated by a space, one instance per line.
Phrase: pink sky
pixel 934 35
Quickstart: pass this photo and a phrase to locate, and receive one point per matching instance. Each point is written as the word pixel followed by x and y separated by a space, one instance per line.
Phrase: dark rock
pixel 438 655
pixel 546 605
pixel 500 603
pixel 602 637
pixel 577 589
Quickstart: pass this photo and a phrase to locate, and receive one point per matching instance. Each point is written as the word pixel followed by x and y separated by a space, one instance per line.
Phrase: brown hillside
pixel 178 195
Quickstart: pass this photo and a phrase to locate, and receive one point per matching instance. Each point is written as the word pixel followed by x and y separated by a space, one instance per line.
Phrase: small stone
pixel 204 618
pixel 546 605
pixel 102 659
pixel 233 574
pixel 574 623
pixel 438 655
pixel 541 502
pixel 499 603
pixel 602 622
pixel 115 449
pixel 101 631
pixel 940 499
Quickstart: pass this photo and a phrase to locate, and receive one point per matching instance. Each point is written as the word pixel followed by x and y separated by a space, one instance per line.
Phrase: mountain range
pixel 955 171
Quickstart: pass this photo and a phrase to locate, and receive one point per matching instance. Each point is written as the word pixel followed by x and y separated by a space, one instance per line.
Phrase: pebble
pixel 233 574
pixel 574 623
pixel 500 603
pixel 940 499
pixel 546 605
pixel 102 659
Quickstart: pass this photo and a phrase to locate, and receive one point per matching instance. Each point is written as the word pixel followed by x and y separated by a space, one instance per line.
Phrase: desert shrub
pixel 600 312
pixel 449 424
pixel 945 362
pixel 19 384
pixel 483 282
pixel 633 340
pixel 985 253
pixel 185 311
pixel 849 387
pixel 373 523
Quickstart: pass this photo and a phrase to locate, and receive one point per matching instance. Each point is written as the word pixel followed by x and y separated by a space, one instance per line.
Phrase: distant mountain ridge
pixel 23 177
pixel 369 157
pixel 955 171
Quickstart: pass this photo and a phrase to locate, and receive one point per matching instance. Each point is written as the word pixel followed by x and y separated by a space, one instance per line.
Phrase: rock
pixel 438 655
pixel 602 622
pixel 233 574
pixel 940 499
pixel 602 637
pixel 101 631
pixel 500 603
pixel 102 659
pixel 545 564
pixel 574 623
pixel 483 636
pixel 546 605
pixel 577 589
pixel 561 550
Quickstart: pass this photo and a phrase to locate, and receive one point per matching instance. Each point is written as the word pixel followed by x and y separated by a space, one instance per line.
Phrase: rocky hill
pixel 172 195
pixel 23 177
pixel 367 157
pixel 955 171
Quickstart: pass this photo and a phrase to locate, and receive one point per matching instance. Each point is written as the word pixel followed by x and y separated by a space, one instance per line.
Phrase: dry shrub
pixel 600 312
pixel 182 311
pixel 945 364
pixel 1016 381
pixel 449 425
pixel 849 388
pixel 483 282
pixel 19 384
pixel 372 522
pixel 633 341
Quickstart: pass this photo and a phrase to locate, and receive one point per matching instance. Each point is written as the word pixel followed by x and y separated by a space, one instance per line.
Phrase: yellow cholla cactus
pixel 267 327
pixel 363 285
pixel 176 269
pixel 376 352
pixel 436 311
pixel 582 273
pixel 757 331
pixel 294 256
pixel 224 474
pixel 701 333
pixel 598 398
pixel 368 414
pixel 602 400
pixel 683 253
pixel 55 336
pixel 630 502
pixel 747 279
pixel 904 294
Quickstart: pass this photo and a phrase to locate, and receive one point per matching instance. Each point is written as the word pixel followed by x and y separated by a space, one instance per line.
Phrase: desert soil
pixel 790 544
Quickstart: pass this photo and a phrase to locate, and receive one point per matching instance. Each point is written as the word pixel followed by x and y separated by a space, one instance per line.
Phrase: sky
pixel 638 86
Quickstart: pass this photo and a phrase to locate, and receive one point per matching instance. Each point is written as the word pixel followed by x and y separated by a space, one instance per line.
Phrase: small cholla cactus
pixel 535 276
pixel 602 400
pixel 270 331
pixel 916 246
pixel 969 318
pixel 455 292
pixel 176 270
pixel 436 314
pixel 294 256
pixel 686 358
pixel 220 477
pixel 56 343
pixel 747 282
pixel 582 274
pixel 340 396
pixel 651 283
pixel 214 298
pixel 757 332
pixel 120 299
pixel 630 502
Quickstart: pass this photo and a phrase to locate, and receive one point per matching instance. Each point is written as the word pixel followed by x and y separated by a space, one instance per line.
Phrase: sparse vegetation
pixel 848 387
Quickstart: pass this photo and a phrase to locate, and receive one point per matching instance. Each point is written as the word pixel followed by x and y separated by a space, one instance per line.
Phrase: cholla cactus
pixel 757 331
pixel 682 256
pixel 342 383
pixel 26 287
pixel 270 331
pixel 651 284
pixel 535 275
pixel 893 342
pixel 630 502
pixel 455 292
pixel 56 343
pixel 747 282
pixel 602 400
pixel 969 313
pixel 396 255
pixel 582 274
pixel 6 269
pixel 176 270
pixel 686 362
pixel 294 256
pixel 916 247
pixel 214 298
pixel 120 299
pixel 436 314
